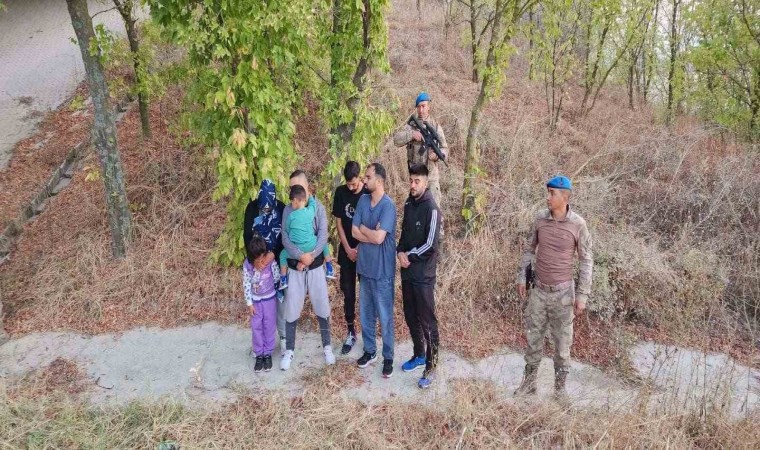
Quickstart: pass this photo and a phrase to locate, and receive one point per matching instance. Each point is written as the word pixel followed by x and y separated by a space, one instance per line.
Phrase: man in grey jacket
pixel 306 276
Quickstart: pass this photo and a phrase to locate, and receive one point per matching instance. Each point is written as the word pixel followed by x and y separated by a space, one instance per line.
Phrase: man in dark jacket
pixel 418 256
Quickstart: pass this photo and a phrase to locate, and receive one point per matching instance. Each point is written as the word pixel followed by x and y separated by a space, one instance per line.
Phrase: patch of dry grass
pixel 476 416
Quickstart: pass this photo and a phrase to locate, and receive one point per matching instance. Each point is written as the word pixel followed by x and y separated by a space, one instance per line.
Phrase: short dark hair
pixel 418 169
pixel 352 170
pixel 298 192
pixel 379 170
pixel 257 246
pixel 298 173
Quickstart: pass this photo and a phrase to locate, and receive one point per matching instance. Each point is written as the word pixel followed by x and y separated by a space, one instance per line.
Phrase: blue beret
pixel 560 182
pixel 423 97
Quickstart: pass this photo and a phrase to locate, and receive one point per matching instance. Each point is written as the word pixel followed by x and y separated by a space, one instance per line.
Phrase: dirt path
pixel 39 65
pixel 211 362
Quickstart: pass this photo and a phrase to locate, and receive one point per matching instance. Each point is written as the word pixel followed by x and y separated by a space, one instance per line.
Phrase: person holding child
pixel 306 275
pixel 300 228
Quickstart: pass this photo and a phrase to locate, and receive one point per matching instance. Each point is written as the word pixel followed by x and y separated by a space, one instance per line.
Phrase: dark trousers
pixel 348 287
pixel 419 312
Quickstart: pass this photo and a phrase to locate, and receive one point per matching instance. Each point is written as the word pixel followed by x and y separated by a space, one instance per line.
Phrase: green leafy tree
pixel 507 14
pixel 726 65
pixel 554 38
pixel 252 63
pixel 612 28
pixel 249 64
pixel 355 36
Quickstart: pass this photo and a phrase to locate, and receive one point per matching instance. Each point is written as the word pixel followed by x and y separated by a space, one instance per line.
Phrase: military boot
pixel 560 378
pixel 530 378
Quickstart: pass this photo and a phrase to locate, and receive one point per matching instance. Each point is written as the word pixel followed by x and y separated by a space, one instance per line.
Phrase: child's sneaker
pixel 330 271
pixel 267 363
pixel 259 364
pixel 283 282
pixel 329 355
pixel 286 360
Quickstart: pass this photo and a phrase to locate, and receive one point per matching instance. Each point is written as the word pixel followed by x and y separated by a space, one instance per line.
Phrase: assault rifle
pixel 430 139
pixel 530 277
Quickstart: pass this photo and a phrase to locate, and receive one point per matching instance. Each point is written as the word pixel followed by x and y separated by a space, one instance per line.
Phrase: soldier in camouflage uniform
pixel 555 237
pixel 411 138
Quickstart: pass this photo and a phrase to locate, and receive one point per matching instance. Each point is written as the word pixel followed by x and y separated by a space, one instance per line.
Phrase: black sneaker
pixel 387 368
pixel 259 364
pixel 267 363
pixel 366 359
pixel 349 344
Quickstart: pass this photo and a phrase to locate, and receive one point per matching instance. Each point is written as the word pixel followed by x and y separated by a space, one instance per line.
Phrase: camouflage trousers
pixel 551 309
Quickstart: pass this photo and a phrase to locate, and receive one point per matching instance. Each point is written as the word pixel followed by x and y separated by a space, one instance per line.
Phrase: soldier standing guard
pixel 415 151
pixel 556 235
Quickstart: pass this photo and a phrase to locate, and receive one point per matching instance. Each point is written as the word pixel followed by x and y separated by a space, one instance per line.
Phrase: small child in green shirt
pixel 300 229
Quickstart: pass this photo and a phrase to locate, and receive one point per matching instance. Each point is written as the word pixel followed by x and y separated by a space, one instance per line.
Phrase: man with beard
pixel 418 256
pixel 374 226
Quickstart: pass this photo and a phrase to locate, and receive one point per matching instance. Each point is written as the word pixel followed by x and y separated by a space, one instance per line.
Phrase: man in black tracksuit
pixel 418 257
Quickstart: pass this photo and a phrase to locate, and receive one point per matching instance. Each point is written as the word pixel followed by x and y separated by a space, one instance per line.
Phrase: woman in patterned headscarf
pixel 263 217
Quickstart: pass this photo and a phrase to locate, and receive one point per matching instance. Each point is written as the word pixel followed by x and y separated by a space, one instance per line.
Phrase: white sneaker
pixel 329 356
pixel 287 358
pixel 282 346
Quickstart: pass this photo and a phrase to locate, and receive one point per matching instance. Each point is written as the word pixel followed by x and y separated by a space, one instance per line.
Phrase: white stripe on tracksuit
pixel 431 235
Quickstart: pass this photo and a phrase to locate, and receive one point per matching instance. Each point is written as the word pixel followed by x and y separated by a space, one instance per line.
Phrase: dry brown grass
pixel 476 416
pixel 61 376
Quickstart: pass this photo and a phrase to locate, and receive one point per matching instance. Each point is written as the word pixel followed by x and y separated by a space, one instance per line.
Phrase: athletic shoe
pixel 387 368
pixel 259 364
pixel 287 358
pixel 329 355
pixel 426 380
pixel 417 362
pixel 330 273
pixel 283 282
pixel 267 363
pixel 283 346
pixel 366 359
pixel 349 344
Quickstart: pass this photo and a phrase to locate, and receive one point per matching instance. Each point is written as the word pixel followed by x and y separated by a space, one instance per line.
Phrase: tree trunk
pixel 472 156
pixel 3 334
pixel 103 131
pixel 126 9
pixel 648 67
pixel 630 85
pixel 591 78
pixel 530 46
pixel 474 45
pixel 673 55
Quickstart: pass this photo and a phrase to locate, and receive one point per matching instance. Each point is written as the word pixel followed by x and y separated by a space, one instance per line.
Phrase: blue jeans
pixel 376 301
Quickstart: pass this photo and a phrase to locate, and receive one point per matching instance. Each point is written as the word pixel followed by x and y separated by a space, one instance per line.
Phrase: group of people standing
pixel 296 235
